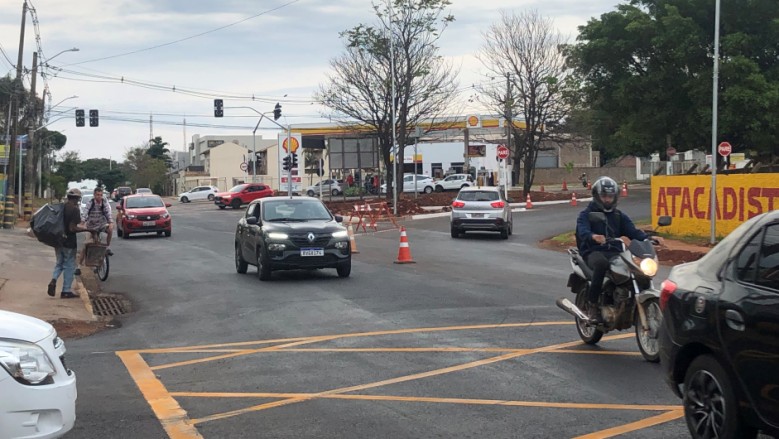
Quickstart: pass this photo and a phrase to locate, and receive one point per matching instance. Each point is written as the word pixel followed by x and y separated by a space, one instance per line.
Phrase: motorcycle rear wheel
pixel 649 342
pixel 589 334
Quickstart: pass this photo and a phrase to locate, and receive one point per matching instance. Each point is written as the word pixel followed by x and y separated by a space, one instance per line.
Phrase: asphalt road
pixel 466 342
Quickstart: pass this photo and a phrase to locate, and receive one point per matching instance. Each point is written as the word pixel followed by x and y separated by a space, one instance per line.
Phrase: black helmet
pixel 605 186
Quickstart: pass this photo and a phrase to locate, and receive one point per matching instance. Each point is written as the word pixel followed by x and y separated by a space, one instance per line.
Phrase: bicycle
pixel 96 256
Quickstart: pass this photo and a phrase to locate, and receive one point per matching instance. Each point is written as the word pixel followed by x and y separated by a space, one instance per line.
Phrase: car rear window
pixel 144 202
pixel 478 196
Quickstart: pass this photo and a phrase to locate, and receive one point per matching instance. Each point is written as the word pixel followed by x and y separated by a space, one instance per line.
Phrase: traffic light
pixel 93 118
pixel 287 166
pixel 320 169
pixel 218 108
pixel 80 118
pixel 257 161
pixel 294 160
pixel 277 111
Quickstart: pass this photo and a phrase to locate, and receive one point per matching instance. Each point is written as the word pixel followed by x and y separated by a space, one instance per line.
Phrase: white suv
pixel 424 184
pixel 199 193
pixel 38 390
pixel 454 182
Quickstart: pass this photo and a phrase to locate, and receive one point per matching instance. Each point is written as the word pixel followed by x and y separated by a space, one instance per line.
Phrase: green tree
pixel 157 150
pixel 69 167
pixel 647 71
pixel 143 169
pixel 107 172
pixel 359 85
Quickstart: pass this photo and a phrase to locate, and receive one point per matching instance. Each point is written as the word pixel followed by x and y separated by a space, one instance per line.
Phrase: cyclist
pixel 98 219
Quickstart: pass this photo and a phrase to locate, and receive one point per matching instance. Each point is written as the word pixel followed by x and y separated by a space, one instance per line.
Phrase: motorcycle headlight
pixel 341 234
pixel 277 236
pixel 648 266
pixel 26 362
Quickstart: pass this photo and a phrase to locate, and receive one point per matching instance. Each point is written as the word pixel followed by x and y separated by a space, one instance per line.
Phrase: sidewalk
pixel 25 270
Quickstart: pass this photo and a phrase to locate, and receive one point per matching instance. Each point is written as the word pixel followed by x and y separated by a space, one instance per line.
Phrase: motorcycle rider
pixel 592 239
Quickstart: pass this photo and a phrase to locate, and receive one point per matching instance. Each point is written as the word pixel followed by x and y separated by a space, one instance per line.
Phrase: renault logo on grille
pixel 311 237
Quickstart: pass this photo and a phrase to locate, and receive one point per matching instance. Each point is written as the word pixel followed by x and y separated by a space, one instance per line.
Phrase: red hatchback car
pixel 242 194
pixel 143 213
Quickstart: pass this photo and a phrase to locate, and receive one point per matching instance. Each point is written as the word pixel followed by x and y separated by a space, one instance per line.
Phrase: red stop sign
pixel 503 152
pixel 724 149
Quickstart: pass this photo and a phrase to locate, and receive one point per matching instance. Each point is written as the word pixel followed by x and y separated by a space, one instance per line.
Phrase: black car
pixel 283 233
pixel 720 340
pixel 121 192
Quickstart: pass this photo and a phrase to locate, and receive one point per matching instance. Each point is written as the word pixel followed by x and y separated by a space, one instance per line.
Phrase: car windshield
pixel 238 188
pixel 294 210
pixel 85 199
pixel 144 202
pixel 478 196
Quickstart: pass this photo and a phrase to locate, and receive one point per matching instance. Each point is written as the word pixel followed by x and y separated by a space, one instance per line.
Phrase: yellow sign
pixel 295 141
pixel 687 199
pixel 473 121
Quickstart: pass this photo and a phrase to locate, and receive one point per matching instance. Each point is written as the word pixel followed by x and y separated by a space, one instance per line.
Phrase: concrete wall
pixel 557 175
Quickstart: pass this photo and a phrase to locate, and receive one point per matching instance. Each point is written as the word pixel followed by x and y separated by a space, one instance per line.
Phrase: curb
pixel 516 207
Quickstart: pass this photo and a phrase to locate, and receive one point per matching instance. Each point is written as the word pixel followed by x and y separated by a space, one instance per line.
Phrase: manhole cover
pixel 108 306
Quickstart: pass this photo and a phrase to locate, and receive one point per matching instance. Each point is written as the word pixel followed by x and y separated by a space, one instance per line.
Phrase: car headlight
pixel 341 234
pixel 26 362
pixel 278 236
pixel 648 265
pixel 130 216
pixel 165 215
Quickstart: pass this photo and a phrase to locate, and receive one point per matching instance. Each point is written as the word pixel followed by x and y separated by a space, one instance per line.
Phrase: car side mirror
pixel 339 219
pixel 597 217
pixel 252 221
pixel 168 204
pixel 664 221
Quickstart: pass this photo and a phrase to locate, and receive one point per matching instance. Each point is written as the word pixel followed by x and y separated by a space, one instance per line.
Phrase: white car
pixel 329 186
pixel 424 184
pixel 143 190
pixel 38 390
pixel 454 182
pixel 199 193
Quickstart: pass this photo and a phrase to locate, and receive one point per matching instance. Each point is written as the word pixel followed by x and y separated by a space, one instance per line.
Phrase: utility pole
pixel 466 142
pixel 14 109
pixel 509 127
pixel 29 167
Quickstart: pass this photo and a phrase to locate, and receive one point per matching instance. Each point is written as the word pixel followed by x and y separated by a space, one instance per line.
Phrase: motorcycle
pixel 628 298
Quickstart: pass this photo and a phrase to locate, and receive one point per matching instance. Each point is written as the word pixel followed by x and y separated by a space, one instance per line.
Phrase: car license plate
pixel 477 215
pixel 149 224
pixel 312 252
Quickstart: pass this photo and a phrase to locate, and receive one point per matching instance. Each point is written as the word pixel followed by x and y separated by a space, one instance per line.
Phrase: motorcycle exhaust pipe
pixel 569 307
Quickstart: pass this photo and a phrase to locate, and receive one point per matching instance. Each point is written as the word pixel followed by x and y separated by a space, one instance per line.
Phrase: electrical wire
pixel 187 38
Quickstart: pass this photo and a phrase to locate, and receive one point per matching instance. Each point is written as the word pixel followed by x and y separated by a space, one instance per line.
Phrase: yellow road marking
pixel 582 351
pixel 172 417
pixel 397 380
pixel 359 334
pixel 430 399
pixel 634 426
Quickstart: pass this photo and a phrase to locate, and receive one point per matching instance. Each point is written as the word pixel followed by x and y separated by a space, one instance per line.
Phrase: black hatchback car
pixel 283 233
pixel 720 339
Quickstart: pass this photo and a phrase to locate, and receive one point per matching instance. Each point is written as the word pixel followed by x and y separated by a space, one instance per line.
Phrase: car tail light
pixel 498 204
pixel 458 204
pixel 667 289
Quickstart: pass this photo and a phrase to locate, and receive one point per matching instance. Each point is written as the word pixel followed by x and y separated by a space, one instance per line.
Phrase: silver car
pixel 481 209
pixel 329 186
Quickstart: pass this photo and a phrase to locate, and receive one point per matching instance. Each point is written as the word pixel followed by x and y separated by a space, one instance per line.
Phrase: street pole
pixel 394 138
pixel 12 141
pixel 29 169
pixel 509 126
pixel 289 154
pixel 254 149
pixel 715 87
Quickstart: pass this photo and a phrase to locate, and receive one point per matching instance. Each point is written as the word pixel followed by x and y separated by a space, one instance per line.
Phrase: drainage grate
pixel 108 306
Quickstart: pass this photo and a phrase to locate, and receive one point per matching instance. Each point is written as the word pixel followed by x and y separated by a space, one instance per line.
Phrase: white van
pixel 38 390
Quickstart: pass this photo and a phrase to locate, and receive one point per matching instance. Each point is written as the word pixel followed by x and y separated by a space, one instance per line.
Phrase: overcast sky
pixel 282 47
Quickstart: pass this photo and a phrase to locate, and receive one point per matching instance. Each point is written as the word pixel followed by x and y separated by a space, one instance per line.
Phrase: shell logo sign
pixel 687 199
pixel 294 143
pixel 473 121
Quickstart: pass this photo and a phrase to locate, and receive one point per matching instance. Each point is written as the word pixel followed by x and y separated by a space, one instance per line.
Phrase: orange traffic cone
pixel 528 203
pixel 624 189
pixel 404 252
pixel 352 242
pixel 565 186
pixel 573 198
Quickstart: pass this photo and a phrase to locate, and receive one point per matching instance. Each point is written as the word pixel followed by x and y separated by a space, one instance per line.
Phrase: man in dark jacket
pixel 599 242
pixel 66 253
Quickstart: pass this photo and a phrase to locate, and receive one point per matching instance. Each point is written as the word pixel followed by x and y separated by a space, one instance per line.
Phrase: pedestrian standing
pixel 349 180
pixel 66 253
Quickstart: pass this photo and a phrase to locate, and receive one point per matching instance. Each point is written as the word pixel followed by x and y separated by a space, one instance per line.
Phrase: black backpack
pixel 48 224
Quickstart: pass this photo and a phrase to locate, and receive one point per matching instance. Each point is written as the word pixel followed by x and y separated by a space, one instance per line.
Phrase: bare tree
pixel 359 89
pixel 525 48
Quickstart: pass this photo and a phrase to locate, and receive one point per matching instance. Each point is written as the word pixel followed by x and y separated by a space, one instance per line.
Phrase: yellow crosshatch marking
pixel 178 425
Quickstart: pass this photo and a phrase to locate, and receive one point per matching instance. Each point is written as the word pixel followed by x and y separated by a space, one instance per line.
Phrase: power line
pixel 186 38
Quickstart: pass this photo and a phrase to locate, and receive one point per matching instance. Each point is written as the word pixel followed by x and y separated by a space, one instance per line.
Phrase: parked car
pixel 481 209
pixel 329 186
pixel 424 184
pixel 454 182
pixel 242 194
pixel 143 190
pixel 122 191
pixel 38 390
pixel 199 193
pixel 719 344
pixel 282 233
pixel 141 213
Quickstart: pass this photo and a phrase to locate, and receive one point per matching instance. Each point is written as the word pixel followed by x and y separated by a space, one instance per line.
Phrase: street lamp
pixel 48 111
pixel 75 49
